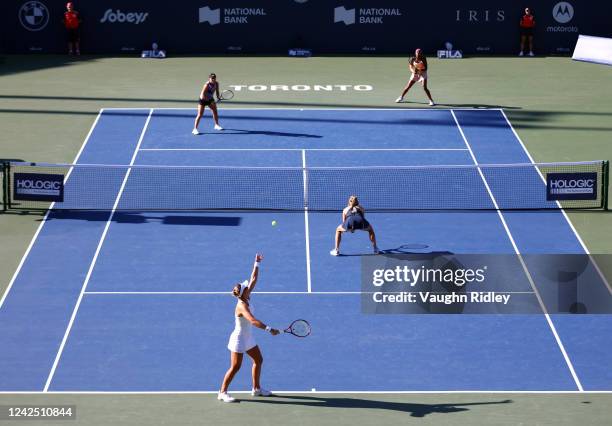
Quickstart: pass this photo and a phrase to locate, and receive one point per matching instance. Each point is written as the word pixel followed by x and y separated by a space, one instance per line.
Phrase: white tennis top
pixel 243 325
pixel 242 338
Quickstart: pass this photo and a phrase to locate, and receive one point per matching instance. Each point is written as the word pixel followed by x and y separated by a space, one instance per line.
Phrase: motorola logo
pixel 563 12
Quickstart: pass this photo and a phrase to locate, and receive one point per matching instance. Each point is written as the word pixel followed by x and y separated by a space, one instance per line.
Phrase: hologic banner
pixel 38 187
pixel 571 186
pixel 446 283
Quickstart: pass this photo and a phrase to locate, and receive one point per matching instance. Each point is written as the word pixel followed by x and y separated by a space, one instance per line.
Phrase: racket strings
pixel 300 328
pixel 227 94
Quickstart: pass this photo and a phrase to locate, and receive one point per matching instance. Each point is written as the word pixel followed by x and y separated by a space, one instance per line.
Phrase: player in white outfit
pixel 242 340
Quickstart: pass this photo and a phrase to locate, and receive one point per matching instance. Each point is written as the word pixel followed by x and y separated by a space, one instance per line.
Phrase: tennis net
pixel 580 185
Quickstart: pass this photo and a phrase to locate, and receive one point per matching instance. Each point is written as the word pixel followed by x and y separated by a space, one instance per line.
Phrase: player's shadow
pixel 270 133
pixel 415 410
pixel 477 106
pixel 417 249
pixel 403 249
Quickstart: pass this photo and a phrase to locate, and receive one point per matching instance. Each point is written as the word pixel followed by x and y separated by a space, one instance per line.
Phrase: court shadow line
pixel 415 410
pixel 139 218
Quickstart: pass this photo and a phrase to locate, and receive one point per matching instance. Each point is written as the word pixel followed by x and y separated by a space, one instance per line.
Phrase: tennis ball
pixel 273 223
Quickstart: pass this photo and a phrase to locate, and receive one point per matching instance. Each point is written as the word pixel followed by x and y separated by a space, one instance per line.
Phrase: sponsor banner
pixel 450 54
pixel 34 15
pixel 38 187
pixel 301 53
pixel 571 186
pixel 344 26
pixel 446 283
pixel 302 87
pixel 230 15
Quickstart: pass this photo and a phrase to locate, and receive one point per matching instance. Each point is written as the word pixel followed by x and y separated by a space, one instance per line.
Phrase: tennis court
pixel 138 301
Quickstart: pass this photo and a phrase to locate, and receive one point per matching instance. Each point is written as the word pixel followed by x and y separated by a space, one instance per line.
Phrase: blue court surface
pixel 139 301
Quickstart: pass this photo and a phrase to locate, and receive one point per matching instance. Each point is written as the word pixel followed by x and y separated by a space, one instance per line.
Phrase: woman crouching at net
pixel 242 340
pixel 353 218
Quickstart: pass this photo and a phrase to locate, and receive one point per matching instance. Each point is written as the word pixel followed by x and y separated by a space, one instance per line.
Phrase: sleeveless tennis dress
pixel 354 220
pixel 242 339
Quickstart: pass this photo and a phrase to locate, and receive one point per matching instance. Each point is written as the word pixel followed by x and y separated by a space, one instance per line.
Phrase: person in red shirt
pixel 72 21
pixel 527 24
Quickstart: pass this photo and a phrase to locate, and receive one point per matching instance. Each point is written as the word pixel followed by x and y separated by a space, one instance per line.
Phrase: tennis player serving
pixel 353 218
pixel 418 68
pixel 207 98
pixel 242 340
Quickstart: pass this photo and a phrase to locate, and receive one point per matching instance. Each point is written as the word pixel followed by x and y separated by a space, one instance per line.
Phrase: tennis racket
pixel 226 95
pixel 299 328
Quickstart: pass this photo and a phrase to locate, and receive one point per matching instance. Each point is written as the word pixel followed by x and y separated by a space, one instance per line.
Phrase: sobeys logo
pixel 124 18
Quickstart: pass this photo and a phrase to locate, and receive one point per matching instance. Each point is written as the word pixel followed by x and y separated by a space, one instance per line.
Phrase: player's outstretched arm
pixel 255 273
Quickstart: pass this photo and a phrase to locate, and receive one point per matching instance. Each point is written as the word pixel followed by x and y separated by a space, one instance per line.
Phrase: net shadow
pixel 140 218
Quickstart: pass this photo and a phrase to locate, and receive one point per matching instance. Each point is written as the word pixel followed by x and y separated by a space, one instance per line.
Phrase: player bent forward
pixel 353 218
pixel 242 340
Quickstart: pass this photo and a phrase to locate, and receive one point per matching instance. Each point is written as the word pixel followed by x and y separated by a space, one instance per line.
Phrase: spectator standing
pixel 72 22
pixel 527 25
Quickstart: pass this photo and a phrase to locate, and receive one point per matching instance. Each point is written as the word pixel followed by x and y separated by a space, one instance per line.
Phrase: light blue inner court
pixel 139 301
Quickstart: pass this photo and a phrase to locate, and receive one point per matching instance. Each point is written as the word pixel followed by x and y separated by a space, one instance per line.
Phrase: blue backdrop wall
pixel 325 26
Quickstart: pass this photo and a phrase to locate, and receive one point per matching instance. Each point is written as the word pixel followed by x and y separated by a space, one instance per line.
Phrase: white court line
pixel 44 220
pixel 520 257
pixel 226 293
pixel 308 149
pixel 222 293
pixel 569 222
pixel 306 227
pixel 319 109
pixel 95 258
pixel 354 392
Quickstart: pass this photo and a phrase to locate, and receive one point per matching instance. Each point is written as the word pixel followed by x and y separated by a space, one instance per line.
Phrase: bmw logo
pixel 34 16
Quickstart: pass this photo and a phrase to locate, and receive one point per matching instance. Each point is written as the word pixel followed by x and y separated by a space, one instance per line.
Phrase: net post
pixel 605 184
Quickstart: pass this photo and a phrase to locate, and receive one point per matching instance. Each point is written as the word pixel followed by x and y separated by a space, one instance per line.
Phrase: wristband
pixel 268 328
pixel 256 265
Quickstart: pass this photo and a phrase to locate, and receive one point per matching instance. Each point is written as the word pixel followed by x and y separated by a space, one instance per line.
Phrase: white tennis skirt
pixel 241 343
pixel 421 77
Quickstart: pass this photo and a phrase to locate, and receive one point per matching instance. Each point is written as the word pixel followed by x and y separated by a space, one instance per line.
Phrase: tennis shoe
pixel 217 127
pixel 521 53
pixel 195 132
pixel 335 252
pixel 431 103
pixel 225 397
pixel 376 251
pixel 400 99
pixel 260 392
pixel 530 53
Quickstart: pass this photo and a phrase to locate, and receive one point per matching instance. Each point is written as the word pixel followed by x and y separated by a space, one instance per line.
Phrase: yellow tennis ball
pixel 273 223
